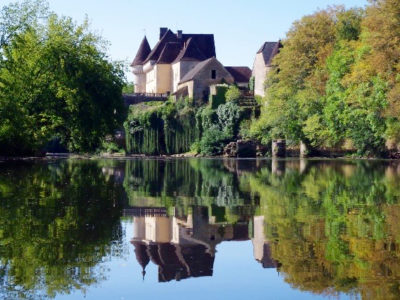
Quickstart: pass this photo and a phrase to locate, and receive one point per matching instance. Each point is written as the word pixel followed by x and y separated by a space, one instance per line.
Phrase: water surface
pixel 200 229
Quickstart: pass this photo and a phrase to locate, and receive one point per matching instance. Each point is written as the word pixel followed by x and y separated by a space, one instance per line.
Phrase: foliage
pixel 166 128
pixel 233 93
pixel 244 129
pixel 218 127
pixel 55 81
pixel 55 237
pixel 110 147
pixel 228 118
pixel 329 227
pixel 16 18
pixel 213 141
pixel 252 83
pixel 335 80
pixel 332 225
pixel 176 127
pixel 219 98
pixel 128 88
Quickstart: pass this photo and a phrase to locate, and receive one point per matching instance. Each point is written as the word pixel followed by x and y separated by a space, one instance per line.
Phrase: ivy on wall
pixel 174 127
pixel 162 129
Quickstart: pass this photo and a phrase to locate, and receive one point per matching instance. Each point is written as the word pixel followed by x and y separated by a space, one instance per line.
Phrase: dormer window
pixel 213 74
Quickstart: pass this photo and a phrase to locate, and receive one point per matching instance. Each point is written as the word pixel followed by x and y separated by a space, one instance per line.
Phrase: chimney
pixel 163 30
pixel 179 34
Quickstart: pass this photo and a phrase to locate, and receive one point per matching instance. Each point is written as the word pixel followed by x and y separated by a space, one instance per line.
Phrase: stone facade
pixel 260 71
pixel 164 69
pixel 159 70
pixel 263 64
pixel 199 79
pixel 179 70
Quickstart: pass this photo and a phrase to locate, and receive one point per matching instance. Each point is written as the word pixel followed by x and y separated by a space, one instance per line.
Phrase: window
pixel 213 74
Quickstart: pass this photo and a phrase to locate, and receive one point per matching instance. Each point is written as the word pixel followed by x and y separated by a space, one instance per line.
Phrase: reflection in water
pixel 184 247
pixel 57 223
pixel 329 227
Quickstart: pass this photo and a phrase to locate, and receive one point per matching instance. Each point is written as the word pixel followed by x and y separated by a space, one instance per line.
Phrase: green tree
pixel 297 82
pixel 128 88
pixel 56 81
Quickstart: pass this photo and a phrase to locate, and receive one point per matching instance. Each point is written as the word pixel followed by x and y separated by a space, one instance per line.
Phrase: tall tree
pixel 57 81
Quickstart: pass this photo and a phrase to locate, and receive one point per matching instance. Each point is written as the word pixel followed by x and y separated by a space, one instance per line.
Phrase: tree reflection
pixel 329 226
pixel 334 228
pixel 57 223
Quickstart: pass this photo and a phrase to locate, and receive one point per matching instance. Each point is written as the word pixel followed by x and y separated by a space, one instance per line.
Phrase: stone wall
pixel 139 79
pixel 179 70
pixel 260 71
pixel 203 79
pixel 164 78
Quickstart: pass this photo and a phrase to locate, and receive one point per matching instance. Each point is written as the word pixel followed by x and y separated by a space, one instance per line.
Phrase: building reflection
pixel 261 248
pixel 185 246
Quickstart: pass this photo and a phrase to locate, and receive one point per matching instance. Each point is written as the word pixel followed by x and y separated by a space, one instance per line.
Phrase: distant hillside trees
pixel 336 80
pixel 56 81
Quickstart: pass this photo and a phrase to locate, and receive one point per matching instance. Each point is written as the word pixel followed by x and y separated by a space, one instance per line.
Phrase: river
pixel 200 229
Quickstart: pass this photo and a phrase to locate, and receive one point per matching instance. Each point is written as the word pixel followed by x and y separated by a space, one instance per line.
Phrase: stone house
pixel 196 83
pixel 159 70
pixel 263 64
pixel 184 65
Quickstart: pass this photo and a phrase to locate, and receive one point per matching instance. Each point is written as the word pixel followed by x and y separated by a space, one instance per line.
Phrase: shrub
pixel 162 129
pixel 196 147
pixel 110 147
pixel 232 94
pixel 228 117
pixel 219 98
pixel 252 83
pixel 213 141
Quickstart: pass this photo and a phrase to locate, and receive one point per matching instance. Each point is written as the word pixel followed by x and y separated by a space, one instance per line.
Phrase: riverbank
pixel 52 156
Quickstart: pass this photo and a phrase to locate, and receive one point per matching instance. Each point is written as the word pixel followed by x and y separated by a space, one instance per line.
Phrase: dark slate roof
pixel 269 50
pixel 205 43
pixel 240 74
pixel 141 254
pixel 192 46
pixel 169 53
pixel 190 52
pixel 168 37
pixel 142 53
pixel 193 72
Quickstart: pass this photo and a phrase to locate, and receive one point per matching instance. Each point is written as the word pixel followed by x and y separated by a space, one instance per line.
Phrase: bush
pixel 232 94
pixel 228 117
pixel 244 130
pixel 252 83
pixel 110 147
pixel 196 147
pixel 219 98
pixel 213 141
pixel 162 129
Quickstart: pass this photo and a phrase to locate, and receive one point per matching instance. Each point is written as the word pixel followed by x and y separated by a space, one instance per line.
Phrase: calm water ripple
pixel 200 229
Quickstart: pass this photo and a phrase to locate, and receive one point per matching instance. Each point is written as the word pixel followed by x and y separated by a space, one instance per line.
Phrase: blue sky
pixel 239 26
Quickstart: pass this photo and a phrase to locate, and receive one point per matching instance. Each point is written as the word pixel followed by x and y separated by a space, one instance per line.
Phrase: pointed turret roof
pixel 142 53
pixel 154 54
pixel 141 256
pixel 170 46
